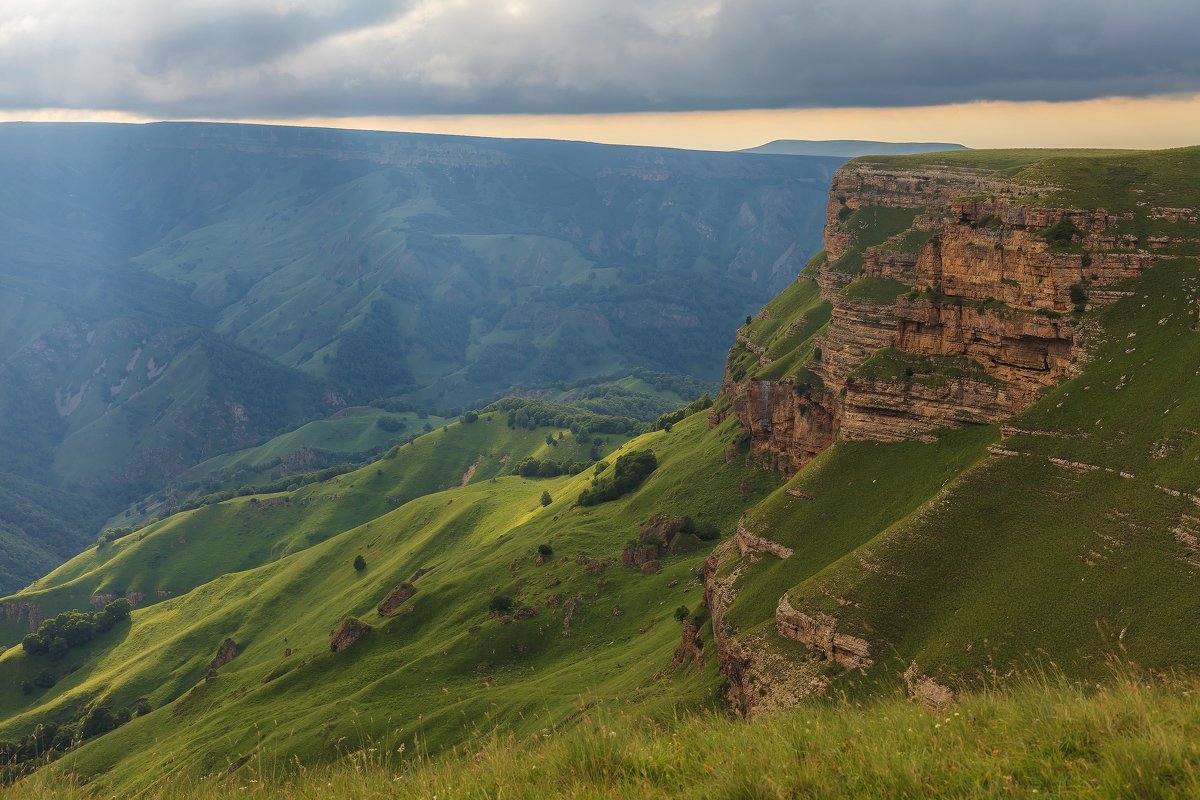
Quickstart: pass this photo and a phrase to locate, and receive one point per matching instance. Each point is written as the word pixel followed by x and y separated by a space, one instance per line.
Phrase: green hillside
pixel 967 559
pixel 174 292
pixel 1044 737
pixel 441 669
pixel 173 556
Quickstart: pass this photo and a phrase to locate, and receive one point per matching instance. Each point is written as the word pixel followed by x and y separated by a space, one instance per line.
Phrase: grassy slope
pixel 973 565
pixel 785 329
pixel 351 435
pixel 189 549
pixel 1047 738
pixel 443 669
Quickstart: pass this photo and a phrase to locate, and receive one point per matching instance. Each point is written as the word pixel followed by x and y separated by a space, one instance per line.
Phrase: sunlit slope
pixel 347 438
pixel 172 292
pixel 171 557
pixel 440 670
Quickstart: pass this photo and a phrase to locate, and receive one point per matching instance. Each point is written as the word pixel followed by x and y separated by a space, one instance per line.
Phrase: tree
pixel 35 645
pixel 545 550
pixel 681 613
pixel 628 473
pixel 45 679
pixel 98 721
pixel 547 499
pixel 360 563
pixel 119 609
pixel 501 604
pixel 58 649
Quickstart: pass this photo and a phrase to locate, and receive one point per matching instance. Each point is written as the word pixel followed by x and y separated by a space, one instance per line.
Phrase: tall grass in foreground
pixel 1129 739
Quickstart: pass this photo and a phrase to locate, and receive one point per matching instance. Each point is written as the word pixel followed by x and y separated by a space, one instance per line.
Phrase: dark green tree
pixel 501 604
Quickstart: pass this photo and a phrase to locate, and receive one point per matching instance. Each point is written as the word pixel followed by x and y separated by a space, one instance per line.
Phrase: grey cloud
pixel 281 58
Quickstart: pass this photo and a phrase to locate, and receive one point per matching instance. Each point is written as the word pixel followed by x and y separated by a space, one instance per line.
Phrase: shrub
pixel 1079 296
pixel 35 645
pixel 45 679
pixel 1062 234
pixel 681 613
pixel 546 499
pixel 389 424
pixel 470 416
pixel 58 649
pixel 98 721
pixel 628 473
pixel 500 604
pixel 545 550
pixel 360 563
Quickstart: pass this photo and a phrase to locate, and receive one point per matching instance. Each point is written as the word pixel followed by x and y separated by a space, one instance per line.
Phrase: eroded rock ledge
pixel 984 326
pixel 819 632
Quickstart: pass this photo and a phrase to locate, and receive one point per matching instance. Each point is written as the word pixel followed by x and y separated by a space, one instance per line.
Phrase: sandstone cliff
pixel 952 300
pixel 952 295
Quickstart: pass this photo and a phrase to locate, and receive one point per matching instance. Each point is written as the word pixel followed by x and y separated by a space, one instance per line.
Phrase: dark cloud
pixel 281 58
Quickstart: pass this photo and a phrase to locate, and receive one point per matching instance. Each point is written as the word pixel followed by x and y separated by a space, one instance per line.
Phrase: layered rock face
pixel 944 312
pixel 982 329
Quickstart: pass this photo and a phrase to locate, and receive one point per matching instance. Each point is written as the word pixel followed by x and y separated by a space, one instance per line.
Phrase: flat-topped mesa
pixel 983 327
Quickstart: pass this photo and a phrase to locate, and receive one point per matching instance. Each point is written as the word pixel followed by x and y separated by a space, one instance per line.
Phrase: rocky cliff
pixel 945 298
pixel 951 296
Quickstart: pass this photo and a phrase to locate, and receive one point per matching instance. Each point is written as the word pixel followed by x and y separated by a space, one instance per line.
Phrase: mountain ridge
pixel 786 545
pixel 847 148
pixel 474 265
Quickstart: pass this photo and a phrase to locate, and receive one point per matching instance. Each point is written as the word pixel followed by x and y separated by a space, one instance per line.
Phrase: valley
pixel 176 292
pixel 957 452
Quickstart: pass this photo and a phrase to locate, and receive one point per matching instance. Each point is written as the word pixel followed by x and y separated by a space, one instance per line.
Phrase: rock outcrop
pixel 395 599
pixel 819 632
pixel 748 543
pixel 347 633
pixel 225 653
pixel 23 610
pixel 982 329
pixel 926 690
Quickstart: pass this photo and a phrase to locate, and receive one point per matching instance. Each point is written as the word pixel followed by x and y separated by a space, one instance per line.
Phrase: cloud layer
pixel 294 58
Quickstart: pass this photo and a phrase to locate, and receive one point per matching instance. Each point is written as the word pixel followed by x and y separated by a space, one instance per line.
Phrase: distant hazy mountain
pixel 848 148
pixel 173 291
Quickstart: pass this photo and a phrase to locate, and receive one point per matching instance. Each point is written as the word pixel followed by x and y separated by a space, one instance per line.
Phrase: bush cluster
pixel 534 414
pixel 667 420
pixel 628 473
pixel 70 629
pixel 533 468
pixel 49 740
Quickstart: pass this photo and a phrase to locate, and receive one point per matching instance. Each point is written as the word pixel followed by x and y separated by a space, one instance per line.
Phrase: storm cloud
pixel 303 58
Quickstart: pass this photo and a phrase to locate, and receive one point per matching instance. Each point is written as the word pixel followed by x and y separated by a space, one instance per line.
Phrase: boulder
pixel 225 653
pixel 395 598
pixel 347 633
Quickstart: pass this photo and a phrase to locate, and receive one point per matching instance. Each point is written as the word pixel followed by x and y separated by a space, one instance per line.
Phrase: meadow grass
pixel 1132 737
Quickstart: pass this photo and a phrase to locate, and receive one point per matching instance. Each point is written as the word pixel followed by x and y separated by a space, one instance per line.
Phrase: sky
pixel 711 74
